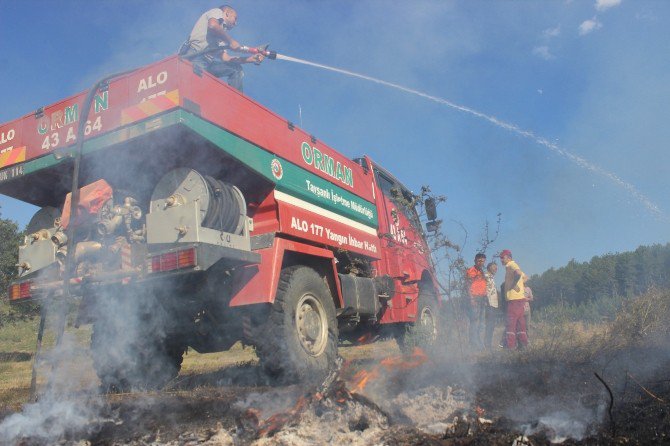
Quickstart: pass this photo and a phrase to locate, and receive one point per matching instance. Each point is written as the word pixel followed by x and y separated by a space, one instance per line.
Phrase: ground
pixel 576 384
pixel 488 398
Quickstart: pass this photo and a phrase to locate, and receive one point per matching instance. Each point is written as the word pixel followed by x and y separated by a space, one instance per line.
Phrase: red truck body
pixel 305 202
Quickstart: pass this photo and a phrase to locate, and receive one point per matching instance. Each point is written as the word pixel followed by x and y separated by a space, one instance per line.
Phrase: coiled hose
pixel 227 209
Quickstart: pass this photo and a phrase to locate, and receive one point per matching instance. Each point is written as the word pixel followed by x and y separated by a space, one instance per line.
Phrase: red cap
pixel 505 252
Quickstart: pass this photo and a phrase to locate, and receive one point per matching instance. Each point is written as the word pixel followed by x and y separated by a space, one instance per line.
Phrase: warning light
pixel 19 291
pixel 170 261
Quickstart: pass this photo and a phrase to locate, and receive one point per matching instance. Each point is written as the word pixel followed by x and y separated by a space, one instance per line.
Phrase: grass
pixel 18 342
pixel 641 320
pixel 14 384
pixel 195 362
pixel 19 336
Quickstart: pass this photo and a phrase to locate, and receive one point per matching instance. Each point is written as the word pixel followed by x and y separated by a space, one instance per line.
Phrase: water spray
pixel 579 161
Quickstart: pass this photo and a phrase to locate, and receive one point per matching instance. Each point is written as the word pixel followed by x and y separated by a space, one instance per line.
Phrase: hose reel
pixel 222 205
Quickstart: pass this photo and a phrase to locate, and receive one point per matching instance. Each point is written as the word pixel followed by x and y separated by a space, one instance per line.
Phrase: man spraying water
pixel 209 43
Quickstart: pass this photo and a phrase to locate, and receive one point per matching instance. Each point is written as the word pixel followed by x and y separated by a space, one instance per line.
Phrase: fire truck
pixel 176 213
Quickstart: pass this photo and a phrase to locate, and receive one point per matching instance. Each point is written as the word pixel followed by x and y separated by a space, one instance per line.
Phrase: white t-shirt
pixel 491 290
pixel 198 37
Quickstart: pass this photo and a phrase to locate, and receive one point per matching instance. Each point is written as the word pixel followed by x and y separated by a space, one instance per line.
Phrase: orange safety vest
pixel 477 282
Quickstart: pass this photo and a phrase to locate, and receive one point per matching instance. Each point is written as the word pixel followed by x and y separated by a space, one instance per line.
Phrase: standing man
pixel 210 35
pixel 515 328
pixel 492 301
pixel 476 308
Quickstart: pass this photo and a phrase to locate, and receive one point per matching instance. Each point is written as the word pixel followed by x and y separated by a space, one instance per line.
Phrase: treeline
pixel 609 276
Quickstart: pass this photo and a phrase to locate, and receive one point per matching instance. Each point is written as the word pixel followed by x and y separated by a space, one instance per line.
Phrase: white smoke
pixel 68 403
pixel 558 419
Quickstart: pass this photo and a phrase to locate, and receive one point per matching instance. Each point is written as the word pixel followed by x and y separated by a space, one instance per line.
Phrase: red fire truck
pixel 177 212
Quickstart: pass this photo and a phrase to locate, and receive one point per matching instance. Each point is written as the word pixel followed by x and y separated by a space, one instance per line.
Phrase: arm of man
pixel 215 27
pixel 517 276
pixel 255 58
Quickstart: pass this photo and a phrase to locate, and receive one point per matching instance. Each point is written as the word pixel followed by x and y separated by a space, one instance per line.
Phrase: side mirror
pixel 433 226
pixel 431 208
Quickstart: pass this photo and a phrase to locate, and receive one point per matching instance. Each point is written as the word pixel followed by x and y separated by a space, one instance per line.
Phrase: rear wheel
pixel 148 364
pixel 131 351
pixel 425 330
pixel 298 340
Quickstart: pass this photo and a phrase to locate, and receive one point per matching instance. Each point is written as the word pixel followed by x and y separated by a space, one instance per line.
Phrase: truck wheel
pixel 145 362
pixel 425 330
pixel 161 362
pixel 109 360
pixel 299 337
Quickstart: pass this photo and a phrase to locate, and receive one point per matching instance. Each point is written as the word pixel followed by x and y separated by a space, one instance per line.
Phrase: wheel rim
pixel 427 320
pixel 312 325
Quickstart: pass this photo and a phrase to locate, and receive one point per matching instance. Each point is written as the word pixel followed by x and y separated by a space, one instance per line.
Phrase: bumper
pixel 161 264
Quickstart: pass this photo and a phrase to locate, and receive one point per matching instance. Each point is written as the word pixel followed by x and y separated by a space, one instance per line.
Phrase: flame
pixel 361 379
pixel 367 338
pixel 338 392
pixel 274 423
pixel 401 362
pixel 392 363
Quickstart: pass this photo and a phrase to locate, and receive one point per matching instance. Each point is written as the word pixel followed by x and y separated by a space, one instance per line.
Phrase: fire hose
pixel 225 211
pixel 262 49
pixel 69 266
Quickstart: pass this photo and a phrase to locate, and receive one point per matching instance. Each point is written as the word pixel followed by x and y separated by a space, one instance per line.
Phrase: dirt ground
pixel 494 399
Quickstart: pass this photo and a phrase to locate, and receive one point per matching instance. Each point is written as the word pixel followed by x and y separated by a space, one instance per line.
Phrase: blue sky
pixel 590 77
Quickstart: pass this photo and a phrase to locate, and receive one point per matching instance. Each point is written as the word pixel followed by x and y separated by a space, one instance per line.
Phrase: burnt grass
pixel 507 394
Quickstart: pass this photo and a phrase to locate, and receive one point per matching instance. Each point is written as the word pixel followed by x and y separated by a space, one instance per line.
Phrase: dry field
pixel 547 393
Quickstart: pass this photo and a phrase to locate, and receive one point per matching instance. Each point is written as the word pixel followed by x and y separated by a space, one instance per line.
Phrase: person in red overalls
pixel 515 328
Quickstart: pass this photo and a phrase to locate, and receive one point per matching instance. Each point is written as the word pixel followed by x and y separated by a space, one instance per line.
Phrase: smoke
pixel 272 402
pixel 69 400
pixel 579 161
pixel 52 418
pixel 431 409
pixel 68 404
pixel 557 419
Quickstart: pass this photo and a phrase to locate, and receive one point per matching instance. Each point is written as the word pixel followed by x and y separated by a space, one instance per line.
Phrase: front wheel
pixel 425 330
pixel 299 338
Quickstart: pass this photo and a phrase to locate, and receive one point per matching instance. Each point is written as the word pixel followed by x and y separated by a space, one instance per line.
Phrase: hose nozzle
pixel 261 49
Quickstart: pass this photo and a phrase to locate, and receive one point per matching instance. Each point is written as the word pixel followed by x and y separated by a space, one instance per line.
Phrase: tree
pixel 613 276
pixel 10 239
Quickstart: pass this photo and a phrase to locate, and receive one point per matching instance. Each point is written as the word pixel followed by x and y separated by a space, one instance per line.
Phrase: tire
pixel 127 357
pixel 298 340
pixel 107 361
pixel 425 331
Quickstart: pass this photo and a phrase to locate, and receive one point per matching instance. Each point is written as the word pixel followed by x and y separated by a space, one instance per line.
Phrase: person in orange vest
pixel 476 307
pixel 515 327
